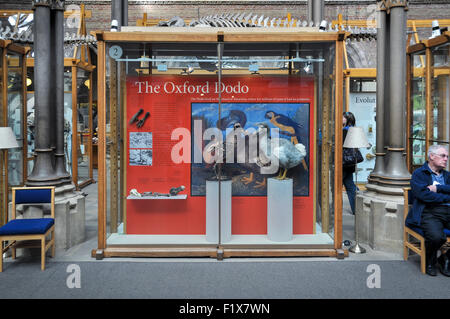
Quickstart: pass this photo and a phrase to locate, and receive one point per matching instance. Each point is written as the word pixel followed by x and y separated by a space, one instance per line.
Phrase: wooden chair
pixel 23 232
pixel 413 237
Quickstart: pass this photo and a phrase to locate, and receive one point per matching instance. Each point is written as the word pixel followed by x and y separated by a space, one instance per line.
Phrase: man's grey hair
pixel 434 148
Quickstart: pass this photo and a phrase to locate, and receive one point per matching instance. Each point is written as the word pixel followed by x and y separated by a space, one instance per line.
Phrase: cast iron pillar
pixel 315 11
pixel 397 174
pixel 57 13
pixel 380 208
pixel 125 12
pixel 116 11
pixel 43 173
pixel 382 90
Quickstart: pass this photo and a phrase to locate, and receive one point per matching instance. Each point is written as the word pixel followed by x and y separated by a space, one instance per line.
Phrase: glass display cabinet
pixel 360 99
pixel 13 114
pixel 77 118
pixel 428 103
pixel 220 143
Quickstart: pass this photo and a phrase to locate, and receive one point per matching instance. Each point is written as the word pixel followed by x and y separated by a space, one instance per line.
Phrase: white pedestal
pixel 212 211
pixel 279 209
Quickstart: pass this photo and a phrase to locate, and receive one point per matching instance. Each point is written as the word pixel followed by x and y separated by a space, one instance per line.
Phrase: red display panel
pixel 173 102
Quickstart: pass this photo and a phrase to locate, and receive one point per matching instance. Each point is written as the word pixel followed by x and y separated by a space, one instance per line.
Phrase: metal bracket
pixel 340 254
pixel 219 253
pixel 99 254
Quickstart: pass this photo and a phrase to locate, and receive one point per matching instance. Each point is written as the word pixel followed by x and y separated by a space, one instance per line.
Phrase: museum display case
pixel 428 109
pixel 78 119
pixel 13 114
pixel 220 143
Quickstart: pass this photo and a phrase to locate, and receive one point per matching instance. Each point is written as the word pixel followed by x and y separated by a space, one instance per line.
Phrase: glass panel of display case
pixel 151 89
pixel 418 114
pixel 270 102
pixel 15 117
pixel 362 103
pixel 68 130
pixel 84 137
pixel 440 94
pixel 30 130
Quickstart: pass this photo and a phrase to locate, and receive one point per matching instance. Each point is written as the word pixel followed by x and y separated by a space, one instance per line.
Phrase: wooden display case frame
pixel 8 46
pixel 212 35
pixel 428 72
pixel 75 65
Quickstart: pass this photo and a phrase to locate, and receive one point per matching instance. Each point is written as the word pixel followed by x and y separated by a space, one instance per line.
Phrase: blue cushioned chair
pixel 18 232
pixel 413 236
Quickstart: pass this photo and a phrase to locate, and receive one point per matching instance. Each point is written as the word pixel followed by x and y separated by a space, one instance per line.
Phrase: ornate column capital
pixel 46 3
pixel 387 5
pixel 58 5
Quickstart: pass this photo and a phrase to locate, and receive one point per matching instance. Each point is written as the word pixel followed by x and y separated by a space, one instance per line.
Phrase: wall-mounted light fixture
pixel 253 68
pixel 162 67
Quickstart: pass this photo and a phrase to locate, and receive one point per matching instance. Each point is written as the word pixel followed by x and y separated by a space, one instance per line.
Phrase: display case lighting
pixel 253 68
pixel 162 67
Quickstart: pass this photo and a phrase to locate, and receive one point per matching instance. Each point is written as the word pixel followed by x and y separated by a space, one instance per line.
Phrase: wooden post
pixel 91 129
pixel 338 147
pixel 75 139
pixel 123 147
pixel 409 113
pixel 101 145
pixel 24 120
pixel 113 146
pixel 429 101
pixel 325 158
pixel 4 153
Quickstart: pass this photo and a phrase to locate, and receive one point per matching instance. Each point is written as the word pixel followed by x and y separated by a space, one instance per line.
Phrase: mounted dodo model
pixel 281 149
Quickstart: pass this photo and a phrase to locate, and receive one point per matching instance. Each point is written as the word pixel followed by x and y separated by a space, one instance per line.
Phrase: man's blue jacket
pixel 421 178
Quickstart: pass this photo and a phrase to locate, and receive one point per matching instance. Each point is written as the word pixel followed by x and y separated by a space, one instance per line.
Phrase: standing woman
pixel 348 170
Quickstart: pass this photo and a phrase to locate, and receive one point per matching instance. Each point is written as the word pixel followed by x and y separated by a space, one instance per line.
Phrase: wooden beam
pixel 143 251
pixel 113 148
pixel 409 113
pixel 325 156
pixel 67 14
pixel 429 99
pixel 285 252
pixel 186 34
pixel 361 73
pixel 75 139
pixel 338 146
pixel 101 111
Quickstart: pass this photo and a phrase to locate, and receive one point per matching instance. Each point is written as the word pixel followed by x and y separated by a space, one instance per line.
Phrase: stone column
pixel 380 208
pixel 315 11
pixel 43 171
pixel 116 11
pixel 379 168
pixel 125 12
pixel 49 84
pixel 58 51
pixel 396 172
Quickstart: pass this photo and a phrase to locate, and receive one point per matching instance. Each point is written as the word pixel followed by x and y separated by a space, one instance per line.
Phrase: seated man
pixel 430 186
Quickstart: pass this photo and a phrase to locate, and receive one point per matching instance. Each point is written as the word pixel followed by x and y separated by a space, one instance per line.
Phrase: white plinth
pixel 279 209
pixel 212 211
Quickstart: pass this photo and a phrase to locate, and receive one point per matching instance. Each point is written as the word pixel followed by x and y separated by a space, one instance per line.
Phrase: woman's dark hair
pixel 350 118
